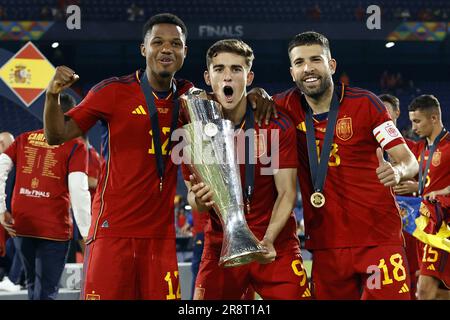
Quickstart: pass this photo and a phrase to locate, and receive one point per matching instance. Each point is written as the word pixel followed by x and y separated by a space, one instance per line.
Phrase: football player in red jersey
pixel 279 273
pixel 48 179
pixel 128 230
pixel 352 222
pixel 132 225
pixel 434 156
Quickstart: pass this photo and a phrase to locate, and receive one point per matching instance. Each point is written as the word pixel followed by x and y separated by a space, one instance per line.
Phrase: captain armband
pixel 386 132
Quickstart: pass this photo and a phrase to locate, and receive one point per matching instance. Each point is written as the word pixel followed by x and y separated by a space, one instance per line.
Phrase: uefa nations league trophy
pixel 211 156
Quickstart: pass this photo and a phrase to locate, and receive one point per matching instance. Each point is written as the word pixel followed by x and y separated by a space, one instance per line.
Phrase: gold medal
pixel 317 199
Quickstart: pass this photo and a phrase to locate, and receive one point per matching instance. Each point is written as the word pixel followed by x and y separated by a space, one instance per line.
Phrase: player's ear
pixel 292 73
pixel 333 65
pixel 434 118
pixel 142 50
pixel 250 77
pixel 207 78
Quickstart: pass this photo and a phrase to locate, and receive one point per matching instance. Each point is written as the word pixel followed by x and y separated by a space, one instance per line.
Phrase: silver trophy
pixel 211 156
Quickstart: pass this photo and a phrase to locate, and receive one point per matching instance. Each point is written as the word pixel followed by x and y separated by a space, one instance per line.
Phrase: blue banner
pixel 409 207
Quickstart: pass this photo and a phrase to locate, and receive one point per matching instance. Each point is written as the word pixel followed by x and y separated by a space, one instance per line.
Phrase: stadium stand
pixel 233 10
pixel 15 119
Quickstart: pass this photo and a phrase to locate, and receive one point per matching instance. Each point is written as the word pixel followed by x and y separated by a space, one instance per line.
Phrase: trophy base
pixel 240 259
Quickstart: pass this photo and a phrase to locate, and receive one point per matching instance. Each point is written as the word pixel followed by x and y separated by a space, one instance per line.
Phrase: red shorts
pixel 379 272
pixel 413 261
pixel 284 278
pixel 434 263
pixel 131 269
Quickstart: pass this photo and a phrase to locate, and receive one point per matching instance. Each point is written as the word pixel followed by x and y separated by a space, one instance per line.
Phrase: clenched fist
pixel 64 77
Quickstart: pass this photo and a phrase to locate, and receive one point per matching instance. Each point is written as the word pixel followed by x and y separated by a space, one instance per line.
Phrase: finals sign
pixel 27 73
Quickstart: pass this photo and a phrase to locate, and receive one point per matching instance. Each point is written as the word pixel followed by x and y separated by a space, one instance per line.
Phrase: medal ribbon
pixel 424 173
pixel 249 163
pixel 153 114
pixel 318 169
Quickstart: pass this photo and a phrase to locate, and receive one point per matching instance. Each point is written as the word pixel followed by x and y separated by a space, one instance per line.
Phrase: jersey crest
pixel 344 129
pixel 260 145
pixel 436 161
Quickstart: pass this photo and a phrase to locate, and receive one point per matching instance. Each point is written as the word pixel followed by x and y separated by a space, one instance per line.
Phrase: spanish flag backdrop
pixel 27 73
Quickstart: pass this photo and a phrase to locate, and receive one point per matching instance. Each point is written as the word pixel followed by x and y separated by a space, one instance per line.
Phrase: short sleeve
pixel 78 157
pixel 95 106
pixel 287 146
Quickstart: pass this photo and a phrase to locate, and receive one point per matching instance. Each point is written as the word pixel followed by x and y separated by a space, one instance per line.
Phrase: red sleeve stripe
pixel 283 118
pixel 283 128
pixel 394 143
pixel 281 96
pixel 106 82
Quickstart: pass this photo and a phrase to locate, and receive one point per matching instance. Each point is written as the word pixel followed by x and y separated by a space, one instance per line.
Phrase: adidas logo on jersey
pixel 301 126
pixel 139 110
pixel 307 293
pixel 404 288
pixel 431 267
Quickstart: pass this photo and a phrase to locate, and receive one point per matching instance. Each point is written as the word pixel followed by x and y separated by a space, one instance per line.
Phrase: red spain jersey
pixel 412 145
pixel 95 164
pixel 265 192
pixel 359 211
pixel 439 173
pixel 128 201
pixel 200 220
pixel 40 202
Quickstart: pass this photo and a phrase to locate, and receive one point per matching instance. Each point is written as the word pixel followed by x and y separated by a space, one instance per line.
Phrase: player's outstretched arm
pixel 285 182
pixel 56 129
pixel 433 194
pixel 406 187
pixel 263 105
pixel 406 166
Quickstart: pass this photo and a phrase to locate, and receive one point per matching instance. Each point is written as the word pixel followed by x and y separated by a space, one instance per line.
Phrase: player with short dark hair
pixel 132 214
pixel 164 18
pixel 48 181
pixel 352 222
pixel 278 273
pixel 433 152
